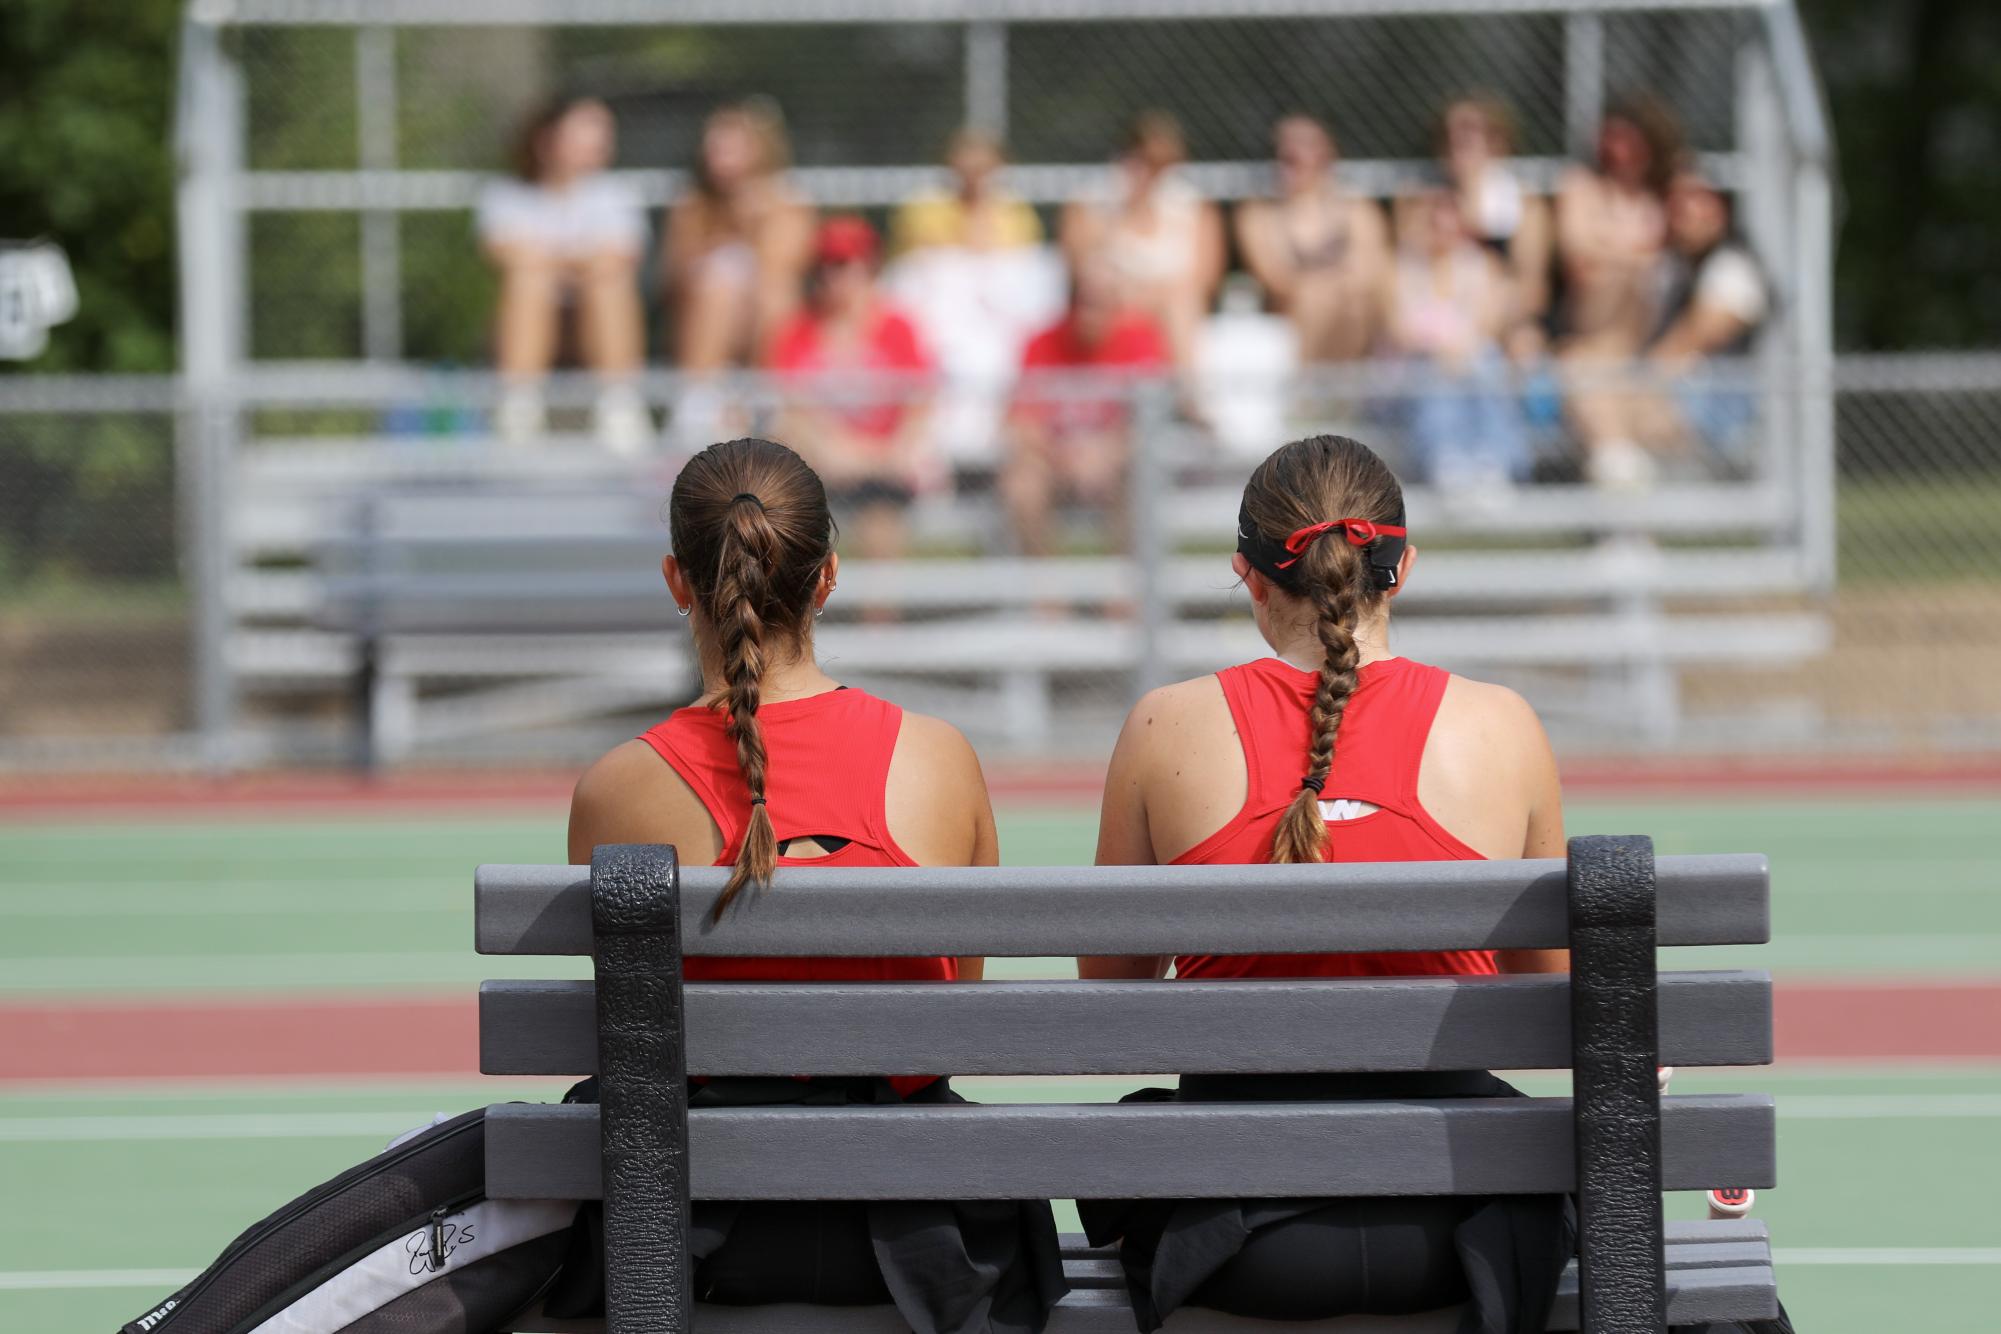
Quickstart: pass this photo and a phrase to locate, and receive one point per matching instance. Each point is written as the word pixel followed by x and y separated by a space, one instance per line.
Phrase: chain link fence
pixel 341 318
pixel 99 620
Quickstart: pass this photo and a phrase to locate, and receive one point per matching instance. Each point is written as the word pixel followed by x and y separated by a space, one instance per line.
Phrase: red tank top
pixel 1376 760
pixel 827 772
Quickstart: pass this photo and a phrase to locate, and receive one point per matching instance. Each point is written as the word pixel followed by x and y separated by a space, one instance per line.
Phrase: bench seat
pixel 1716 1270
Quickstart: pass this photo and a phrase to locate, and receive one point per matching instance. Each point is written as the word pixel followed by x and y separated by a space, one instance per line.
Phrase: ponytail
pixel 752 534
pixel 742 592
pixel 1336 597
pixel 1341 510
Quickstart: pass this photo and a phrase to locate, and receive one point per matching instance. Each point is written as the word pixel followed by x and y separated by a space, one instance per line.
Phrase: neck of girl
pixel 793 673
pixel 1300 644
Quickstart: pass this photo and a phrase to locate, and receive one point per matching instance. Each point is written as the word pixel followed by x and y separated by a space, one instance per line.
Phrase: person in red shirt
pixel 1332 749
pixel 1061 441
pixel 778 764
pixel 861 413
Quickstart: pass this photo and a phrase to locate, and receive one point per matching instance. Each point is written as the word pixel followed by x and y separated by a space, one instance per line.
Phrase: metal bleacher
pixel 502 602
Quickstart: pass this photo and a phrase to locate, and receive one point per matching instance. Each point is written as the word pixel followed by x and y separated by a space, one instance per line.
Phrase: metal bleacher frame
pixel 254 624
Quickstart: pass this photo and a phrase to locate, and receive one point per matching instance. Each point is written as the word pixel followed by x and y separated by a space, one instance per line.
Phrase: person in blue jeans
pixel 1450 304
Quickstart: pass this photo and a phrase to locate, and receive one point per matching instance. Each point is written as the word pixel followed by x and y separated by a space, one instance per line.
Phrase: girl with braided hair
pixel 780 765
pixel 1332 749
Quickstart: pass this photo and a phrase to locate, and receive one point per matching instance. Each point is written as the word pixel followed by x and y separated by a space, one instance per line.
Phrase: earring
pixel 819 611
pixel 683 611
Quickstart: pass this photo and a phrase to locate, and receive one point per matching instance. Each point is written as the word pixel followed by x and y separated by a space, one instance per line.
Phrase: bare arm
pixel 1528 260
pixel 784 252
pixel 1212 253
pixel 1544 838
pixel 1123 838
pixel 1701 330
pixel 937 804
pixel 1263 256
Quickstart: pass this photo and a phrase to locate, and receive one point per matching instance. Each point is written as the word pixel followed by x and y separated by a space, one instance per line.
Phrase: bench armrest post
pixel 1615 1045
pixel 643 1087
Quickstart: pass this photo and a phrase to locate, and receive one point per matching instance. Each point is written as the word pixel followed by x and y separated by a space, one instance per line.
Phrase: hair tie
pixel 757 801
pixel 745 495
pixel 1318 784
pixel 1359 532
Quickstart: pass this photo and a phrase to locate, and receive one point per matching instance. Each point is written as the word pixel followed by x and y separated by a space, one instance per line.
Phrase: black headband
pixel 1275 560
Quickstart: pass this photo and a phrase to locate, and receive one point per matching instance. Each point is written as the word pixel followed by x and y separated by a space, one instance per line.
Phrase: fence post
pixel 381 229
pixel 1615 1059
pixel 642 1087
pixel 209 138
pixel 1583 80
pixel 986 75
pixel 1152 534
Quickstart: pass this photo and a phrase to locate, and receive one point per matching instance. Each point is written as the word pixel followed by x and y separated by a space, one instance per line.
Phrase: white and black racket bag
pixel 405 1242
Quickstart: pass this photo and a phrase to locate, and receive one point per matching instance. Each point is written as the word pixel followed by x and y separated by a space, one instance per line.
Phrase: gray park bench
pixel 1617 1144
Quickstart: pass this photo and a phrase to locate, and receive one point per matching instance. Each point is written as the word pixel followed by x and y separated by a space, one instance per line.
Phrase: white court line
pixel 65 1280
pixel 209 1125
pixel 1886 1255
pixel 1887 1106
pixel 329 1125
pixel 28 1280
pixel 337 903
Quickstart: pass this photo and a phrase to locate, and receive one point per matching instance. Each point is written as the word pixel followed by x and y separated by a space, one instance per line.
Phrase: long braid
pixel 1302 831
pixel 742 596
pixel 1315 481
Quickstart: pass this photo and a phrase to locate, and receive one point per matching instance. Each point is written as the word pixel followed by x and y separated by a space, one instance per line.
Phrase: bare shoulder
pixel 1488 724
pixel 616 775
pixel 933 747
pixel 1176 706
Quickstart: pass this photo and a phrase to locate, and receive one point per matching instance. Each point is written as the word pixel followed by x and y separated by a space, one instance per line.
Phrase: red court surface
pixel 433 1035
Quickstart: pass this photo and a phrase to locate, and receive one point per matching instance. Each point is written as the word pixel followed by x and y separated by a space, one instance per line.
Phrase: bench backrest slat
pixel 1109 1151
pixel 1027 911
pixel 1047 1028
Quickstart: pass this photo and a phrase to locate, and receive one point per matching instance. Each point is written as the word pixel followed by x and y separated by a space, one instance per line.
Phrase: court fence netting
pixel 171 548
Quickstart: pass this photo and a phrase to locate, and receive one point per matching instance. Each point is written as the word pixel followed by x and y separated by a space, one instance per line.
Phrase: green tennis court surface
pixel 116 1189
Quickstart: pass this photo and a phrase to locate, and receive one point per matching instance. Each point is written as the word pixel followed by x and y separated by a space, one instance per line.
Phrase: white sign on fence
pixel 37 292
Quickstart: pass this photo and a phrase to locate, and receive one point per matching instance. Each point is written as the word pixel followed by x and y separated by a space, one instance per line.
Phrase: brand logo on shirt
pixel 1346 808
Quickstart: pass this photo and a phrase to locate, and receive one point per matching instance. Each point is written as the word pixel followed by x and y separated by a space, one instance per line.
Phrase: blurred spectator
pixel 973 274
pixel 859 417
pixel 1321 254
pixel 1476 139
pixel 564 234
pixel 1451 305
pixel 1161 240
pixel 1062 438
pixel 1710 299
pixel 738 244
pixel 977 213
pixel 1610 227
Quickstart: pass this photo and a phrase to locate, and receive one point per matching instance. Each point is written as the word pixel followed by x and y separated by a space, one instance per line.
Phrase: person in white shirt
pixel 561 232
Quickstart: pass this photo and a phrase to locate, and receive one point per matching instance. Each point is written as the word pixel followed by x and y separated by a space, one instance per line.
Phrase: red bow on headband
pixel 1360 532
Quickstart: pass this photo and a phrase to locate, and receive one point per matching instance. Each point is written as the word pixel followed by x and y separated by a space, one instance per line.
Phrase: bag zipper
pixel 311 1199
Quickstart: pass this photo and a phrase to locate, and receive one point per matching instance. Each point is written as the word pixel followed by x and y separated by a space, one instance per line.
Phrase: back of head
pixel 751 530
pixel 1322 483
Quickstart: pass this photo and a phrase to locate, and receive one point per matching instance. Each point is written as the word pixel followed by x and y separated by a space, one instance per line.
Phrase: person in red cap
pixel 860 413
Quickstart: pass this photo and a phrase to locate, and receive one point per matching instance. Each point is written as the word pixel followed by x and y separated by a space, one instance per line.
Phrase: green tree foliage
pixel 86 101
pixel 1915 88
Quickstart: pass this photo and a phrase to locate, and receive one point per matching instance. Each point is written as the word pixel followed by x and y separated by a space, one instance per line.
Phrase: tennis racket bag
pixel 405 1242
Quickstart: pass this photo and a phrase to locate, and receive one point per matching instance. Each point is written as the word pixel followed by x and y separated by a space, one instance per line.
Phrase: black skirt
pixel 1316 1258
pixel 949 1267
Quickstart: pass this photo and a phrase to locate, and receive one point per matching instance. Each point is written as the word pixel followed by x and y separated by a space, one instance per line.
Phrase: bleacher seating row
pixel 486 591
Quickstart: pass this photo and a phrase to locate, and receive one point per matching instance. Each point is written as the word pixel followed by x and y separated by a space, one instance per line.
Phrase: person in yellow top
pixel 976 213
